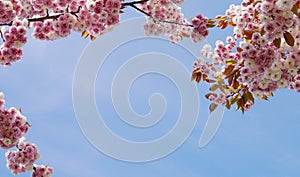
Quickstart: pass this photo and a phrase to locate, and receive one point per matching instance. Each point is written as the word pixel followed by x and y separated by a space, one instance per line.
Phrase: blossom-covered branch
pixel 13 128
pixel 262 56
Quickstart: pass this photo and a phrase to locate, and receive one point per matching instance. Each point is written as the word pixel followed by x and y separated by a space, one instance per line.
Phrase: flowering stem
pixel 133 5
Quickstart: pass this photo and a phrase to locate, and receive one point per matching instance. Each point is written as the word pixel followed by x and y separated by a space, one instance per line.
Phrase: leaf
pixel 212 107
pixel 211 21
pixel 209 94
pixel 185 34
pixel 210 80
pixel 228 104
pixel 277 42
pixel 295 8
pixel 234 98
pixel 230 62
pixel 270 94
pixel 220 23
pixel 262 32
pixel 230 79
pixel 210 25
pixel 235 84
pixel 248 96
pixel 196 75
pixel 264 97
pixel 205 77
pixel 228 70
pixel 224 25
pixel 214 87
pixel 247 34
pixel 240 104
pixel 219 17
pixel 289 39
pixel 92 37
pixel 239 49
pixel 85 34
pixel 231 23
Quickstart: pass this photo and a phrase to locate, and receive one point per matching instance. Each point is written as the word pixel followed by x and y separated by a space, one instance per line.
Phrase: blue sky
pixel 262 143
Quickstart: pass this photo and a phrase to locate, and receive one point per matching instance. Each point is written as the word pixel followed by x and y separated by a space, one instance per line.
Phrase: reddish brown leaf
pixel 247 34
pixel 92 37
pixel 219 17
pixel 212 107
pixel 239 49
pixel 265 97
pixel 210 80
pixel 214 87
pixel 205 77
pixel 209 94
pixel 208 25
pixel 277 42
pixel 228 70
pixel 224 25
pixel 235 84
pixel 85 34
pixel 295 9
pixel 234 98
pixel 220 23
pixel 230 79
pixel 231 23
pixel 240 104
pixel 289 39
pixel 196 75
pixel 185 35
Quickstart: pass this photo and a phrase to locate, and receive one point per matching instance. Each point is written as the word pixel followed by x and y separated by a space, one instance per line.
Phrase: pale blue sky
pixel 262 143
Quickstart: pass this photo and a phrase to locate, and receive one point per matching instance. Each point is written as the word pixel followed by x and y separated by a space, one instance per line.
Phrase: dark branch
pixel 133 2
pixel 2 36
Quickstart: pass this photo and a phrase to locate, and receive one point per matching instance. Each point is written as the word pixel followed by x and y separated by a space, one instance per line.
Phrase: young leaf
pixel 228 104
pixel 289 39
pixel 92 37
pixel 212 107
pixel 85 34
pixel 228 70
pixel 277 42
pixel 230 62
pixel 197 75
pixel 209 94
pixel 214 87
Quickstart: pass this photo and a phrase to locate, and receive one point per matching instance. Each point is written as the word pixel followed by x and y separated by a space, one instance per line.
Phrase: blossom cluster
pixel 51 20
pixel 13 128
pixel 165 17
pixel 262 56
pixel 23 159
pixel 14 38
pixel 42 171
pixel 200 31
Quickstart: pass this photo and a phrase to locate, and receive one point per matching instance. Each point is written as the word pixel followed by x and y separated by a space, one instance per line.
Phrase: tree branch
pixel 1 34
pixel 133 2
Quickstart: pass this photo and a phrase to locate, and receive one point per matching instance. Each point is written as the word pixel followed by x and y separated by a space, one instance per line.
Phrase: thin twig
pixel 133 2
pixel 2 36
pixel 157 20
pixel 140 10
